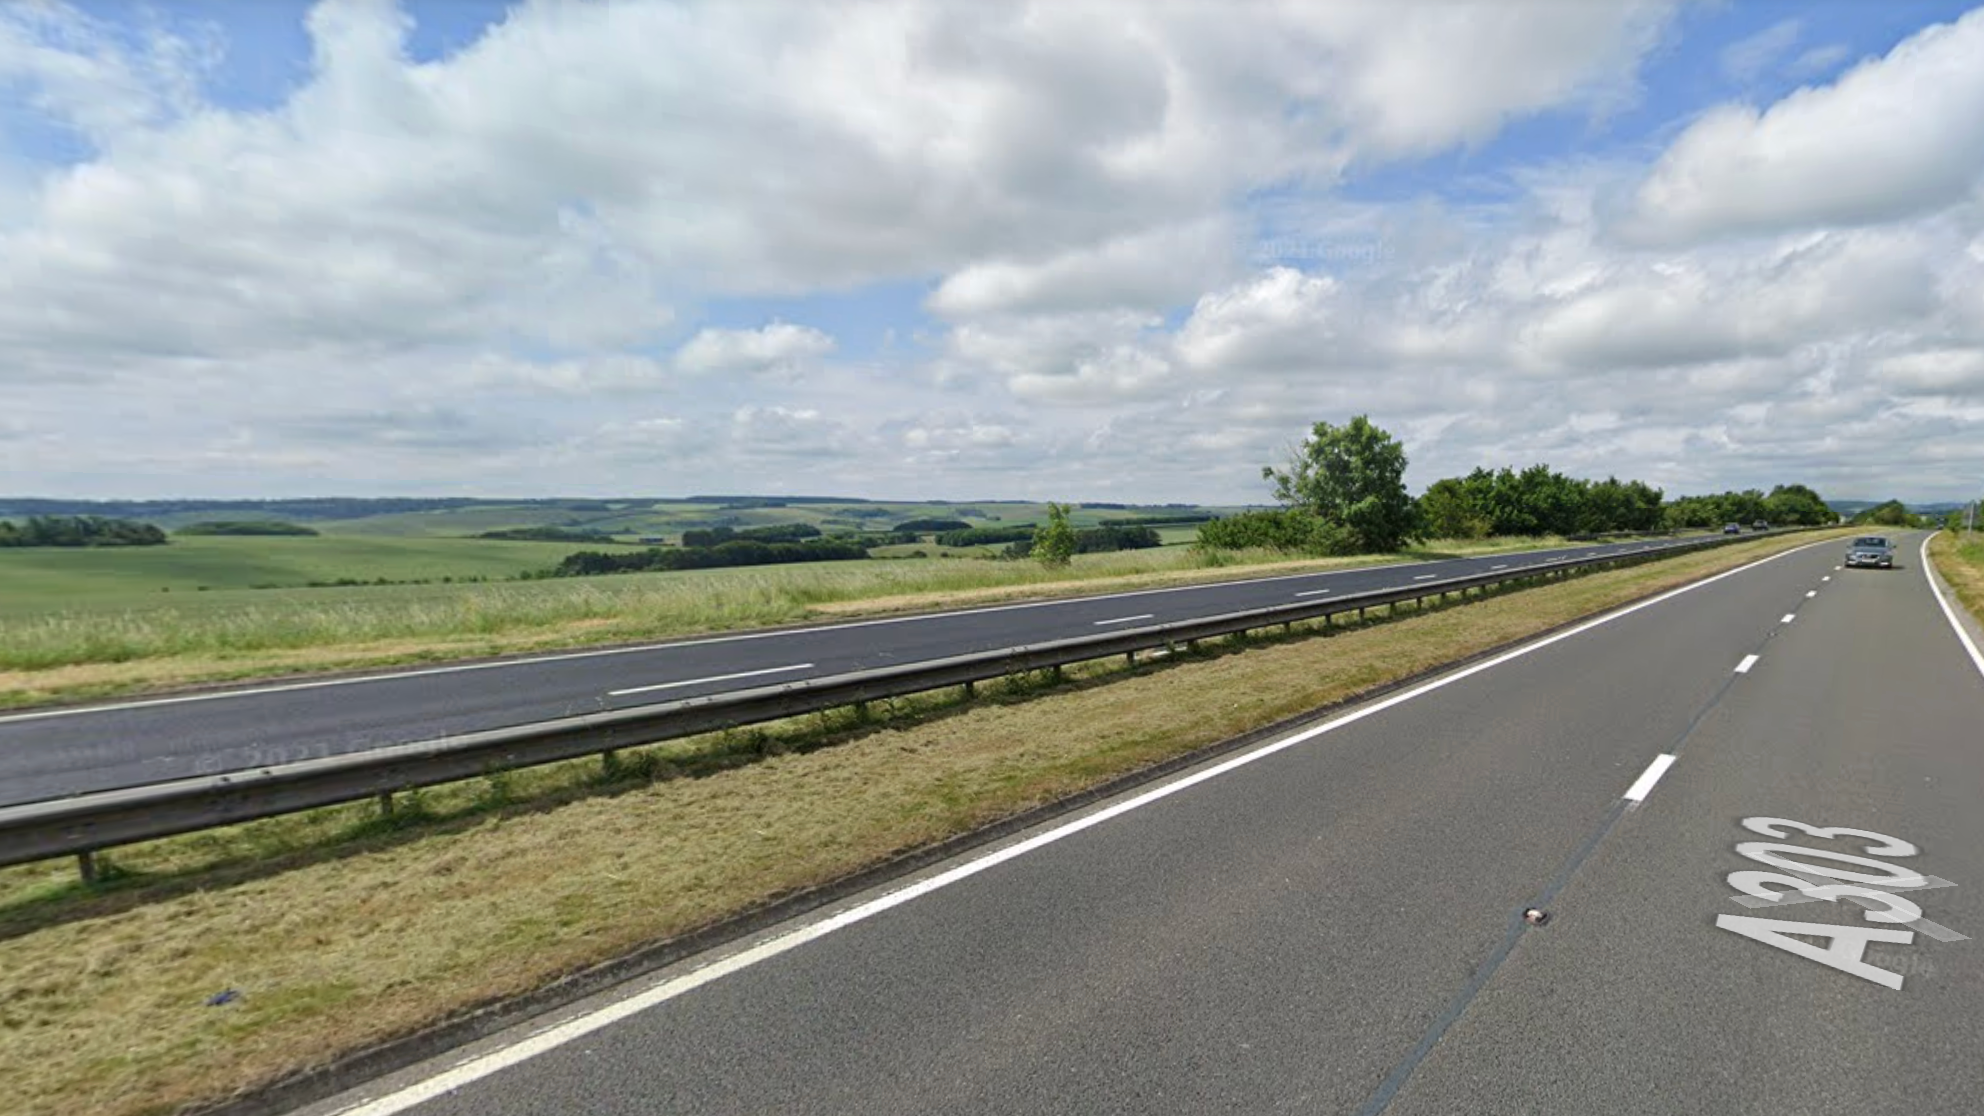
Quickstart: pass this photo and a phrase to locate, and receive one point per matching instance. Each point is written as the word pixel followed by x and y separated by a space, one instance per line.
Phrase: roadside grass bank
pixel 342 929
pixel 1961 562
pixel 113 648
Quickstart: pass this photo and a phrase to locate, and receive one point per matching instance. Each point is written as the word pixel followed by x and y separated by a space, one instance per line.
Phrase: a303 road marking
pixel 1876 885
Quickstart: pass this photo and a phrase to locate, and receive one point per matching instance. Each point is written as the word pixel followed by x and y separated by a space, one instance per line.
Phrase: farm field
pixel 37 580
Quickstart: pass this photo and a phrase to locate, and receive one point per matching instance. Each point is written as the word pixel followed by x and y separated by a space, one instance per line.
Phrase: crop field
pixel 38 580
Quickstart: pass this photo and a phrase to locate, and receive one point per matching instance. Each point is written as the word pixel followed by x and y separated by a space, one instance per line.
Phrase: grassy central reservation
pixel 341 931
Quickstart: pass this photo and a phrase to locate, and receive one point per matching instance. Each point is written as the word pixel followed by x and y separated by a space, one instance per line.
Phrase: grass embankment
pixel 82 638
pixel 1961 562
pixel 340 934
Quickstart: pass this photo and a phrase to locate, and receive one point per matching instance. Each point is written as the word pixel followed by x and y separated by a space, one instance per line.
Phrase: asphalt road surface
pixel 1333 923
pixel 55 753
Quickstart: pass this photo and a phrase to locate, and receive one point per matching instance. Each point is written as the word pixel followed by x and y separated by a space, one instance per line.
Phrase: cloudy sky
pixel 965 249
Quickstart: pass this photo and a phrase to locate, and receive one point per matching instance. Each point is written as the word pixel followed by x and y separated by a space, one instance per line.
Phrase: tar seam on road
pixel 465 1071
pixel 1403 1072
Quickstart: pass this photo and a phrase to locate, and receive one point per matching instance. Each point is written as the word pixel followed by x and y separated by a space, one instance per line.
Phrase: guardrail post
pixel 1130 659
pixel 386 804
pixel 86 865
pixel 970 690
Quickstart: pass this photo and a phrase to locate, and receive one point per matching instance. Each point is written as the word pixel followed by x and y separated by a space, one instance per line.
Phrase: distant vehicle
pixel 1760 525
pixel 1732 528
pixel 1871 550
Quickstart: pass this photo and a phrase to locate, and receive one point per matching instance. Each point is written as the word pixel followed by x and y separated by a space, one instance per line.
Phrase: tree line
pixel 258 527
pixel 79 530
pixel 1343 492
pixel 736 552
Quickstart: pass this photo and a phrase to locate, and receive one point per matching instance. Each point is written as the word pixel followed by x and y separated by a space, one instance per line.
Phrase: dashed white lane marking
pixel 1788 618
pixel 1125 619
pixel 1811 593
pixel 712 678
pixel 1312 593
pixel 1827 577
pixel 1425 577
pixel 1638 791
pixel 1748 662
pixel 1502 567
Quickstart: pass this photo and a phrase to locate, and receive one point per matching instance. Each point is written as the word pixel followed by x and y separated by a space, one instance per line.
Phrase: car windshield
pixel 1870 541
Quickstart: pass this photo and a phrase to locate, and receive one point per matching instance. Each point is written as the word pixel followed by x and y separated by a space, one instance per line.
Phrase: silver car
pixel 1870 550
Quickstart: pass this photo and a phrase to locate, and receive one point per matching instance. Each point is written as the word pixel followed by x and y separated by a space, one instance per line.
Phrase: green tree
pixel 1891 514
pixel 1795 505
pixel 1448 511
pixel 1353 475
pixel 1054 540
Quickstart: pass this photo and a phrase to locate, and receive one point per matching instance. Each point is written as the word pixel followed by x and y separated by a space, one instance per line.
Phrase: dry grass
pixel 102 1002
pixel 1962 565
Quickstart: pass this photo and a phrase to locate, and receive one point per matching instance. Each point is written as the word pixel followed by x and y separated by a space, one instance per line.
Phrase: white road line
pixel 1976 657
pixel 1425 577
pixel 1748 662
pixel 1498 567
pixel 1788 618
pixel 1125 619
pixel 712 678
pixel 1827 577
pixel 477 1068
pixel 1312 593
pixel 1809 593
pixel 1639 790
pixel 1838 567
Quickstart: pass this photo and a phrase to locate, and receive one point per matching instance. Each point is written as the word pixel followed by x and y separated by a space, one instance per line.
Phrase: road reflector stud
pixel 1535 916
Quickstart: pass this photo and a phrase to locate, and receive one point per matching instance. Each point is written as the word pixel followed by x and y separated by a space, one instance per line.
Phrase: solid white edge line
pixel 1313 592
pixel 1976 657
pixel 1788 618
pixel 1425 577
pixel 1644 786
pixel 712 678
pixel 1748 662
pixel 320 683
pixel 481 1066
pixel 1125 619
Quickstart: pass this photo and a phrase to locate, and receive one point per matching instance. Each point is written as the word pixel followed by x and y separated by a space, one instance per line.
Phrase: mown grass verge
pixel 78 651
pixel 342 930
pixel 1961 562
